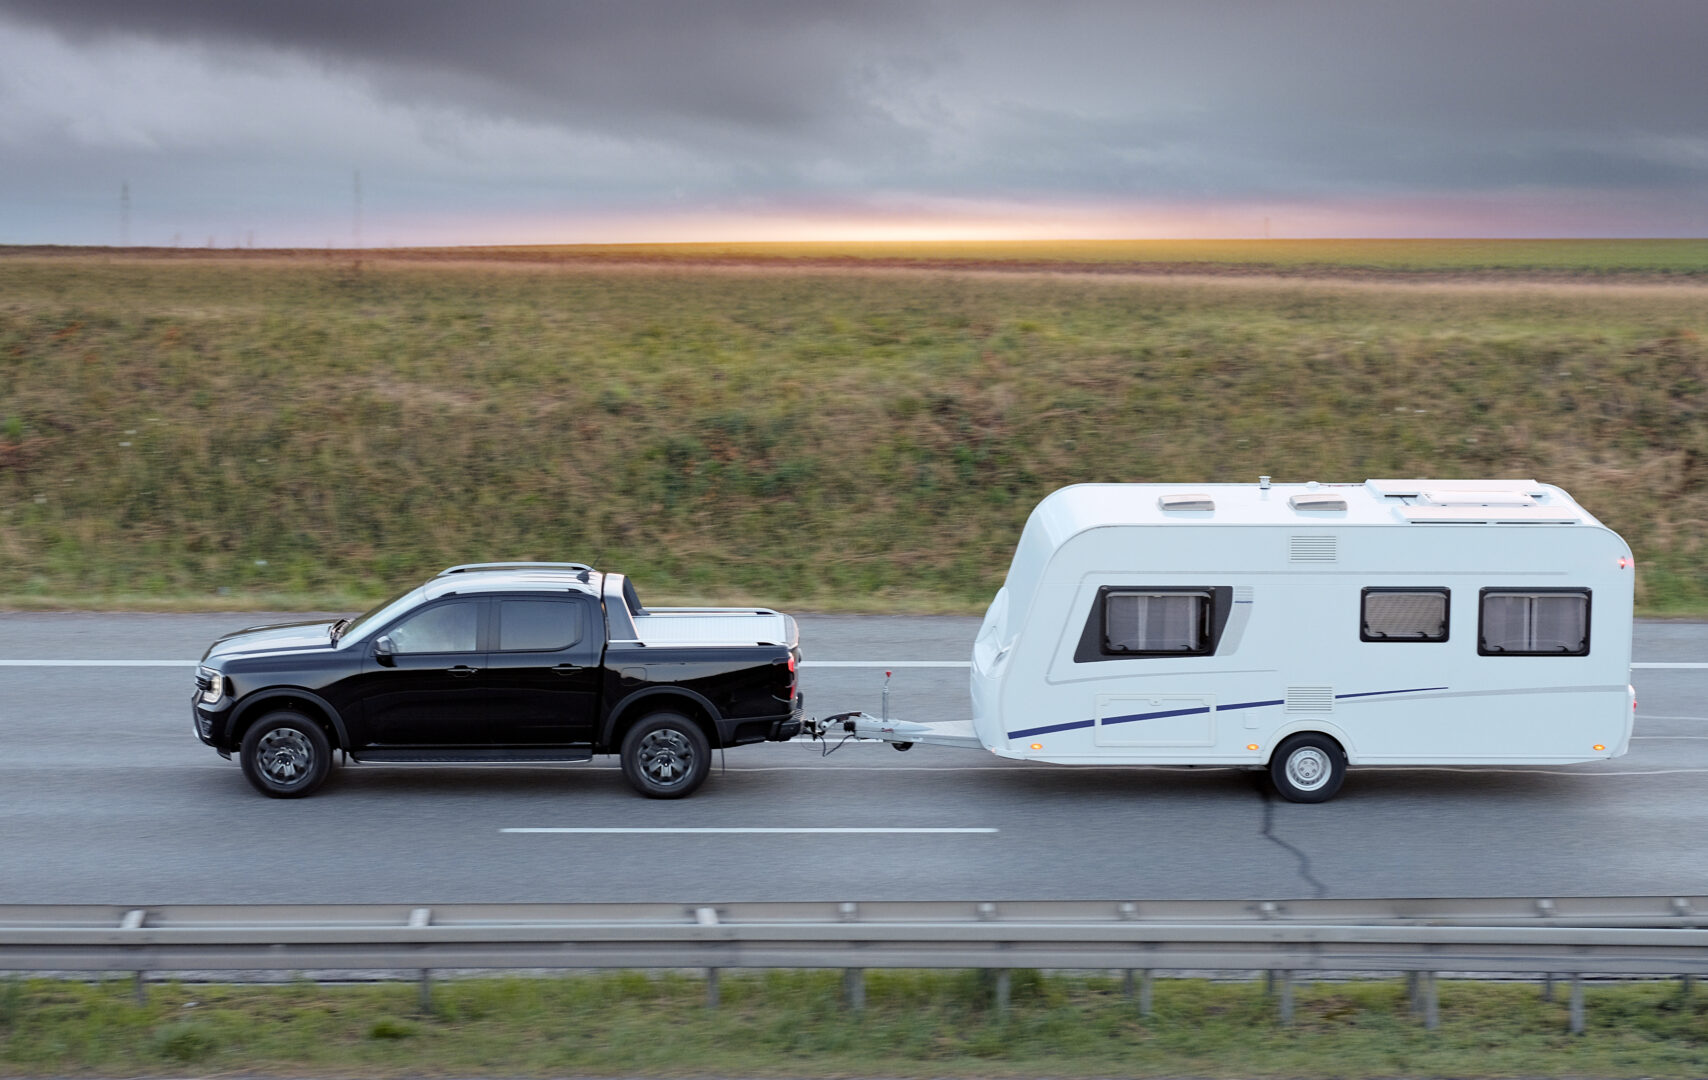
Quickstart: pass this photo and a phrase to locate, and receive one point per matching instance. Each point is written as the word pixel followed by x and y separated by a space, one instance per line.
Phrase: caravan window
pixel 1404 615
pixel 1171 623
pixel 1534 622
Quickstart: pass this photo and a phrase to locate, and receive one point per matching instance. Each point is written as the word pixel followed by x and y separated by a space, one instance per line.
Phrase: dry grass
pixel 316 428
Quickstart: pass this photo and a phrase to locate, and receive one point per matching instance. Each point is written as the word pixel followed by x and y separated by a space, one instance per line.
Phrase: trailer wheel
pixel 902 745
pixel 1308 768
pixel 666 756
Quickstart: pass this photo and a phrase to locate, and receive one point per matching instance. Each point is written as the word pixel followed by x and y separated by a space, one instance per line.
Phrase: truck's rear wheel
pixel 1308 768
pixel 285 755
pixel 666 756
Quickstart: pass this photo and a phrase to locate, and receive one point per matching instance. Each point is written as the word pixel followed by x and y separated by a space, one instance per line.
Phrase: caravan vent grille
pixel 1311 699
pixel 1311 549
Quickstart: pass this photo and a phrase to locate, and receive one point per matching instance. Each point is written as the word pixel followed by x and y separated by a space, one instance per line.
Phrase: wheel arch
pixel 317 708
pixel 640 705
pixel 1312 726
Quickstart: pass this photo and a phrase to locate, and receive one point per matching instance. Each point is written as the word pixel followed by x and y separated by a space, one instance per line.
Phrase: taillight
pixel 794 680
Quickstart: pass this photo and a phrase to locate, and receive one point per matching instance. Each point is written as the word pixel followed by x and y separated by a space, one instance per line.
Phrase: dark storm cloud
pixel 722 101
pixel 1240 94
pixel 784 67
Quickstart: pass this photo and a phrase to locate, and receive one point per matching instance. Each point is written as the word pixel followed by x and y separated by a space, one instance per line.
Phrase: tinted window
pixel 449 627
pixel 1404 615
pixel 1534 623
pixel 538 625
pixel 1160 622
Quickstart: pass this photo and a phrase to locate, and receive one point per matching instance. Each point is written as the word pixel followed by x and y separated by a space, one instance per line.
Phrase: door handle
pixel 462 671
pixel 568 669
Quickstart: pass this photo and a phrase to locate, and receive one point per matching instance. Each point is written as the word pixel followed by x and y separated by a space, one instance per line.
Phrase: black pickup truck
pixel 502 663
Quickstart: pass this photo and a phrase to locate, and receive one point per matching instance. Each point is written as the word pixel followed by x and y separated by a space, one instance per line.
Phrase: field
pixel 840 429
pixel 793 1024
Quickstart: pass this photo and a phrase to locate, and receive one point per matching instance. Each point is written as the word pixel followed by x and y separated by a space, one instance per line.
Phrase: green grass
pixel 793 1024
pixel 309 430
pixel 1578 257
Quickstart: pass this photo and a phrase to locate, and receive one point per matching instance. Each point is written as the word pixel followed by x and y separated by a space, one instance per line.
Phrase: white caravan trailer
pixel 1302 628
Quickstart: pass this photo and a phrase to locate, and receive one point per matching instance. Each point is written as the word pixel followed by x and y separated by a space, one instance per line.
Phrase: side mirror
pixel 384 649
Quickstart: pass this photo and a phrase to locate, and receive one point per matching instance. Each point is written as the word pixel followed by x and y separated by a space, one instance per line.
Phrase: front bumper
pixel 208 723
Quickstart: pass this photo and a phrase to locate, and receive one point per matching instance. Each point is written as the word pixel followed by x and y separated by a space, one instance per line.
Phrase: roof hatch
pixel 1186 502
pixel 1317 500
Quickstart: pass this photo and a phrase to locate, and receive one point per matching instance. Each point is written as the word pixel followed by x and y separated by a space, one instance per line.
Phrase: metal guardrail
pixel 1657 936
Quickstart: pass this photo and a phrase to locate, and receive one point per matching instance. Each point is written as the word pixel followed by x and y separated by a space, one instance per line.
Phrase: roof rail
pixel 466 567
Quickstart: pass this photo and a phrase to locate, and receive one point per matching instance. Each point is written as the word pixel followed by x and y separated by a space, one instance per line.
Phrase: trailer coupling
pixel 901 734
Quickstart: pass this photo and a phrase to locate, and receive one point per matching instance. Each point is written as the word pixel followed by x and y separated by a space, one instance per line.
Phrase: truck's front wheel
pixel 666 756
pixel 285 755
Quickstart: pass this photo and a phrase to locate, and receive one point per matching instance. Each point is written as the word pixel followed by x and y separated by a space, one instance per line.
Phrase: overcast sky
pixel 551 121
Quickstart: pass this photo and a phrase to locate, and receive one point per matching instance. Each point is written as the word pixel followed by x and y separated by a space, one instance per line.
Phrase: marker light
pixel 1037 746
pixel 1251 746
pixel 1626 562
pixel 1598 747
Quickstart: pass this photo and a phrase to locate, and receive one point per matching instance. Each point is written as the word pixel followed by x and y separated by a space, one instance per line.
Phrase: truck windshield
pixel 378 615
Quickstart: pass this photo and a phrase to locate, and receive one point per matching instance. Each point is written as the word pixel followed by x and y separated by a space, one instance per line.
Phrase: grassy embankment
pixel 793 1024
pixel 273 431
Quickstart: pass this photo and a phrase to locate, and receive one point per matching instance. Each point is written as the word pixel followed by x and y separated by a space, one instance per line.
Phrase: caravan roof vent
pixel 1317 501
pixel 1489 498
pixel 1186 502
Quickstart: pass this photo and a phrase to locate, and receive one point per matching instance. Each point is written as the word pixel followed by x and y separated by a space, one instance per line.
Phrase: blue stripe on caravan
pixel 1134 717
pixel 1379 693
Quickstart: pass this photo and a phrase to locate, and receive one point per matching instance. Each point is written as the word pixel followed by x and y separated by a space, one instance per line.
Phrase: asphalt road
pixel 107 797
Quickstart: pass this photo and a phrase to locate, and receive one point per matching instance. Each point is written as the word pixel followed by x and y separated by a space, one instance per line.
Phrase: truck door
pixel 543 671
pixel 428 690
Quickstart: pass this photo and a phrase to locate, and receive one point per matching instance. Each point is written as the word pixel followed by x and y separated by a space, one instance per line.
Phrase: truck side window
pixel 1404 615
pixel 446 628
pixel 1534 622
pixel 1174 623
pixel 538 625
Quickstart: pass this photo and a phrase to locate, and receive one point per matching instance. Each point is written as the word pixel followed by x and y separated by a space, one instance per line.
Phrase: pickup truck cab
pixel 499 664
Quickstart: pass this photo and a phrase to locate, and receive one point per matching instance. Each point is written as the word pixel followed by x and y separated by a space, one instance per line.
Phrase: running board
pixel 903 733
pixel 466 756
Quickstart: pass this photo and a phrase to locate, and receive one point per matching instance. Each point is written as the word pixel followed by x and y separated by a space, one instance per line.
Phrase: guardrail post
pixel 133 921
pixel 1412 997
pixel 1268 982
pixel 854 987
pixel 1145 992
pixel 1127 984
pixel 1577 1003
pixel 418 918
pixel 1548 987
pixel 1286 999
pixel 1431 1003
pixel 1004 983
pixel 1686 984
pixel 708 916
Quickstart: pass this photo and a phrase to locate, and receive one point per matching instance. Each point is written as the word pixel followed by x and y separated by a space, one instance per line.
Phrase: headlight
pixel 212 683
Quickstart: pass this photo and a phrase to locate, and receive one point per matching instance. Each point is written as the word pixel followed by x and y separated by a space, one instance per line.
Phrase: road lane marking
pixel 765 831
pixel 98 663
pixel 1658 716
pixel 1670 667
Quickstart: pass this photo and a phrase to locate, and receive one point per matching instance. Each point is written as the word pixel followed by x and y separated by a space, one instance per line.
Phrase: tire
pixel 1308 768
pixel 666 756
pixel 285 755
